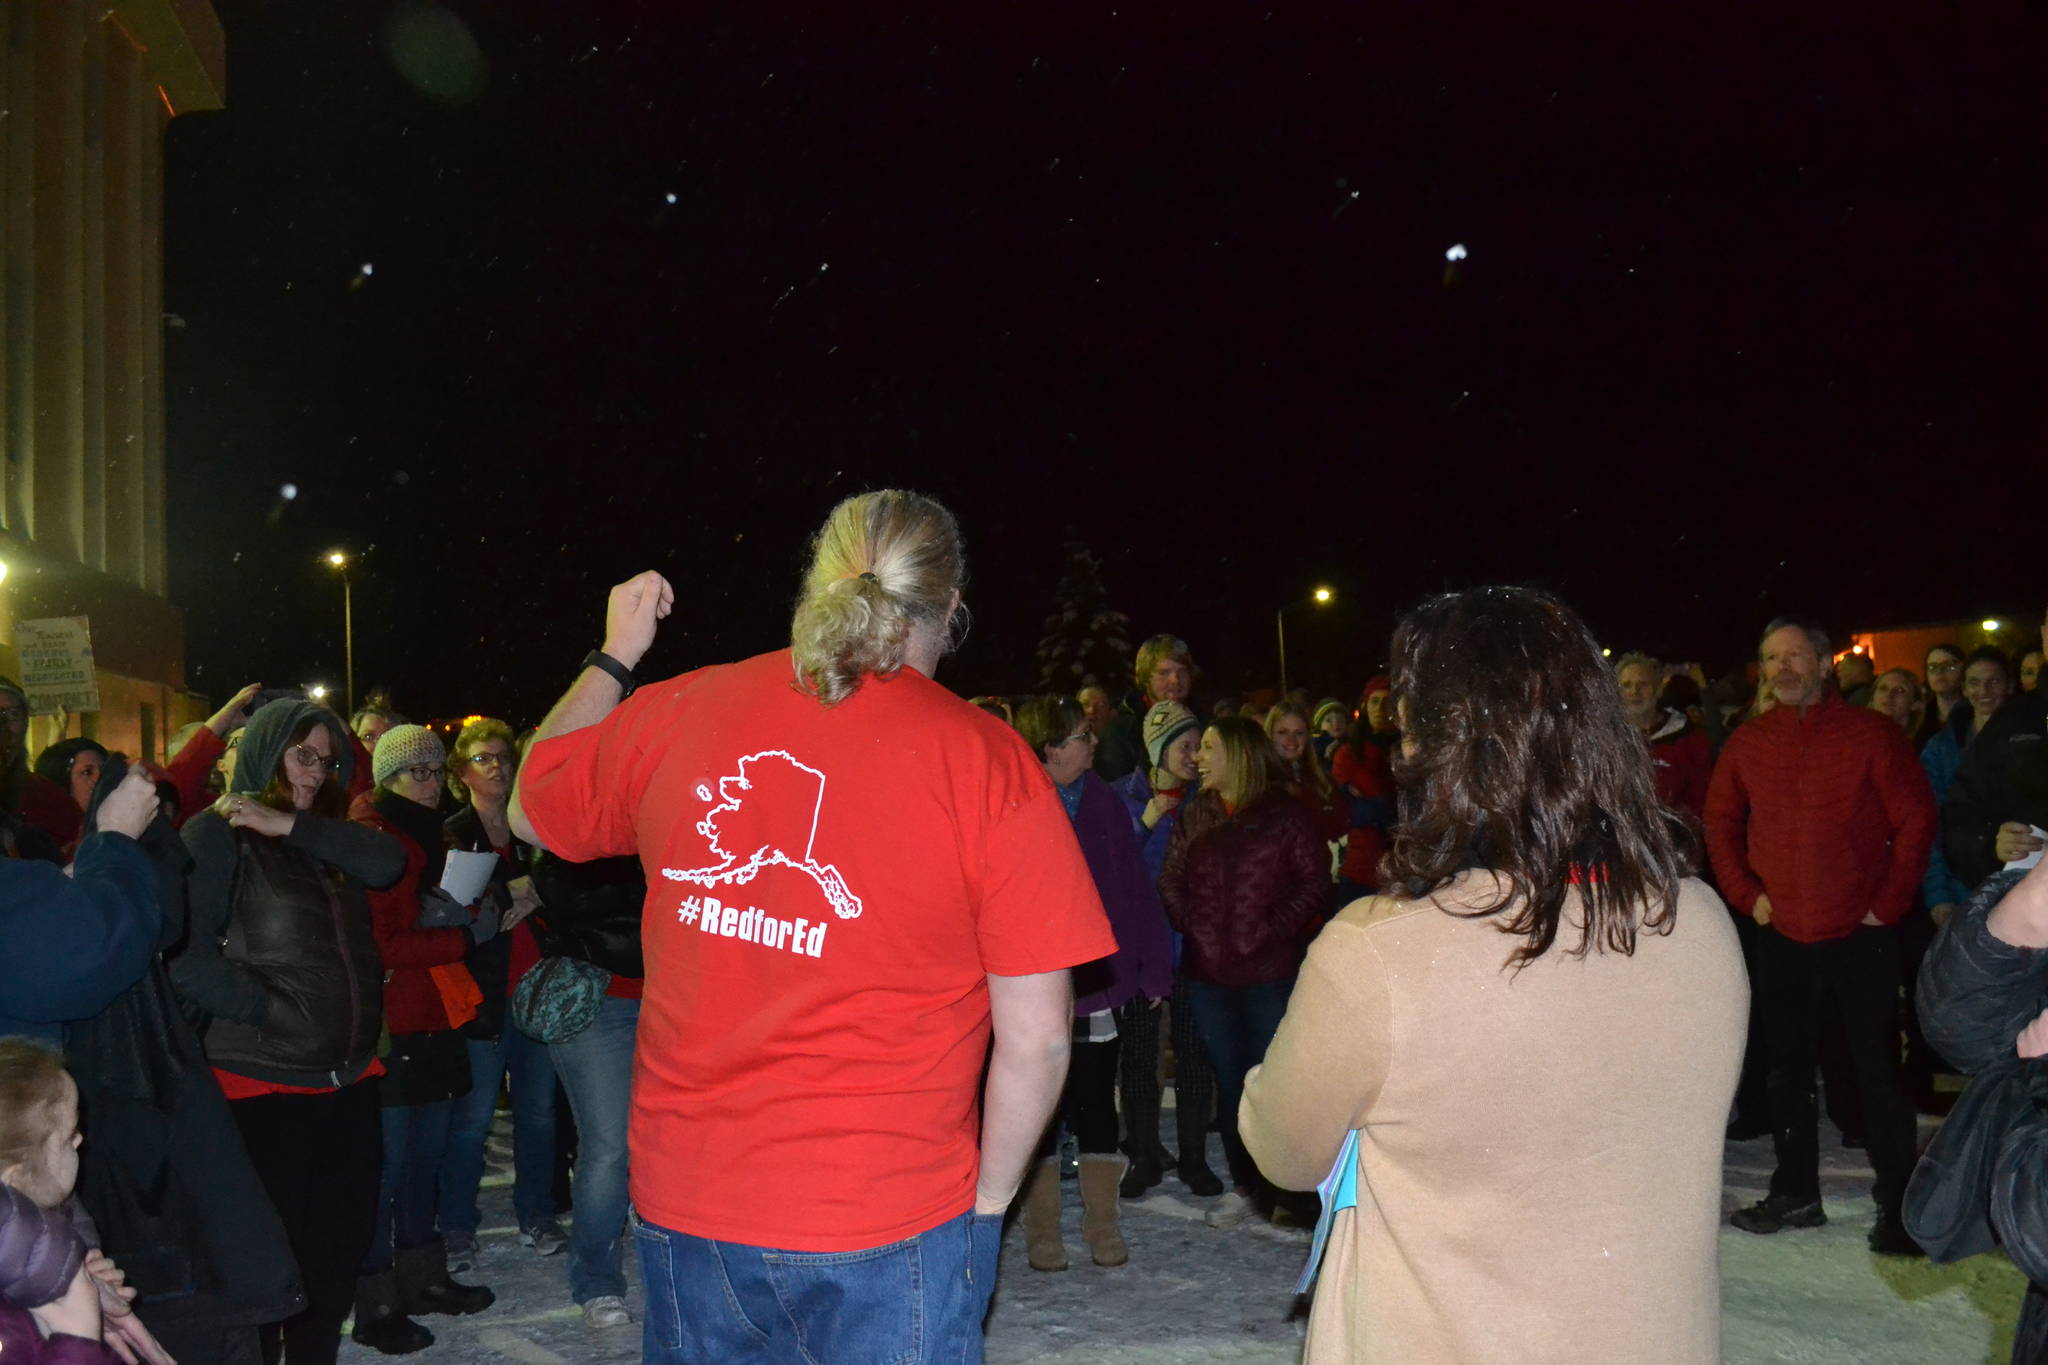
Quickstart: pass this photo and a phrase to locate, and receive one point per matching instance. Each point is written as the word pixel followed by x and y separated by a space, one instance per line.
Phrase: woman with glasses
pixel 423 936
pixel 480 772
pixel 1142 967
pixel 1944 672
pixel 282 957
pixel 1987 684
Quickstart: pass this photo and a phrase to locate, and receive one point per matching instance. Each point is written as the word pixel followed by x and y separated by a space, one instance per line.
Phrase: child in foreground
pixel 77 1306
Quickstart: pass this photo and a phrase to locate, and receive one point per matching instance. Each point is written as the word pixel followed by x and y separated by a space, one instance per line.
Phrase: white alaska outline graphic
pixel 732 872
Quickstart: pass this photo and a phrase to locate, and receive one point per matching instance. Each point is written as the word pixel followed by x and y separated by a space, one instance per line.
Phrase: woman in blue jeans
pixel 591 912
pixel 1246 881
pixel 480 773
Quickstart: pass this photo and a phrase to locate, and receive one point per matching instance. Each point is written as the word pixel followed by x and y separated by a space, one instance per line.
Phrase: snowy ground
pixel 1195 1295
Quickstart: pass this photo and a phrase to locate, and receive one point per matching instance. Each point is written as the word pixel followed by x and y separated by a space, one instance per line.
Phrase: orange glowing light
pixel 160 94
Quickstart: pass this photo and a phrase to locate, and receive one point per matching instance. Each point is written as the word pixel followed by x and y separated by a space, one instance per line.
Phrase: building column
pixel 131 127
pixel 92 246
pixel 17 260
pixel 56 511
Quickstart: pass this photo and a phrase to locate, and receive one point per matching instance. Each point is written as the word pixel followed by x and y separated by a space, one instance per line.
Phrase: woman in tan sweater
pixel 1536 1047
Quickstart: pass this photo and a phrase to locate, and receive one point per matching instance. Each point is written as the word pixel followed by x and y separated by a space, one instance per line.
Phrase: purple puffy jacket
pixel 40 1249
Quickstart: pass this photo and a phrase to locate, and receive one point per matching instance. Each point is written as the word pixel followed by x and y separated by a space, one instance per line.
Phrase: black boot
pixel 1145 1172
pixel 424 1286
pixel 379 1323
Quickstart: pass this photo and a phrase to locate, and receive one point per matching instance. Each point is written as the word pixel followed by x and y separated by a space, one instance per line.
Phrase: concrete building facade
pixel 86 92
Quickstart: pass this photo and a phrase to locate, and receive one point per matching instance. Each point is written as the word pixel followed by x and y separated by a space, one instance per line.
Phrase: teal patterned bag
pixel 558 998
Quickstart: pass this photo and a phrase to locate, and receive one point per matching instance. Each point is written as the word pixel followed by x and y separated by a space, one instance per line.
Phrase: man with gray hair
pixel 1818 822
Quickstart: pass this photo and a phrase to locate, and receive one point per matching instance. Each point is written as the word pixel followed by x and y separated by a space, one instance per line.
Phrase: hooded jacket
pixel 281 951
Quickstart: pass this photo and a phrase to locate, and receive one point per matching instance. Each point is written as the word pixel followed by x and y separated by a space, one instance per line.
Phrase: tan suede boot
pixel 1101 1224
pixel 1041 1216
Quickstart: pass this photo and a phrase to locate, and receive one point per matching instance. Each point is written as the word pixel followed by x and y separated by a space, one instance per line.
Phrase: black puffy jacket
pixel 1976 994
pixel 591 911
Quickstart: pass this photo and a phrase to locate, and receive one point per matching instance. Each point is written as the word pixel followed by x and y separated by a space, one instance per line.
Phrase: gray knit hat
pixel 1166 722
pixel 406 746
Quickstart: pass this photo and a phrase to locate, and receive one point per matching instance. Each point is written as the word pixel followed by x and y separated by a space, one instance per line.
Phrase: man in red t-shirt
pixel 851 884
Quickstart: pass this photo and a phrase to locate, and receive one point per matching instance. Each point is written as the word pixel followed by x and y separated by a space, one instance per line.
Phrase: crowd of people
pixel 1472 976
pixel 288 1039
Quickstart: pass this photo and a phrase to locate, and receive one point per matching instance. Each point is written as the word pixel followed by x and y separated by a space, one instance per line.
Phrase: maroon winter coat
pixel 1247 890
pixel 1825 809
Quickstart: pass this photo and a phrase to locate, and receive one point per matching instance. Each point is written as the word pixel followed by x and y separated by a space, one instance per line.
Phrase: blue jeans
pixel 596 1067
pixel 1237 1023
pixel 415 1137
pixel 533 1132
pixel 920 1301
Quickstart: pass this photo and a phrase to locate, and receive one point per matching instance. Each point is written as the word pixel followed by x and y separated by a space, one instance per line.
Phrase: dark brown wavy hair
pixel 1516 757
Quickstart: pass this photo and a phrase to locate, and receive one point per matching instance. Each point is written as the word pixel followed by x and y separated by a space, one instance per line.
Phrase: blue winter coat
pixel 75 942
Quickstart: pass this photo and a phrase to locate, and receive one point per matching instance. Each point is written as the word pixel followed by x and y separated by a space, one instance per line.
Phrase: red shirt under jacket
pixel 1825 809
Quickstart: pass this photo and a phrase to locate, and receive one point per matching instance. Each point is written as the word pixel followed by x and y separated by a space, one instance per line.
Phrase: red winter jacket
pixel 1684 760
pixel 412 1003
pixel 1828 811
pixel 1247 890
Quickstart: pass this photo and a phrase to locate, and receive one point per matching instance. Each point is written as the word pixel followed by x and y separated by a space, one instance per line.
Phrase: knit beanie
pixel 406 746
pixel 1380 684
pixel 1166 722
pixel 1330 706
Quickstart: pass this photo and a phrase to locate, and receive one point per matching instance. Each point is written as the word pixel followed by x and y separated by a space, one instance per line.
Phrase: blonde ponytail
pixel 882 566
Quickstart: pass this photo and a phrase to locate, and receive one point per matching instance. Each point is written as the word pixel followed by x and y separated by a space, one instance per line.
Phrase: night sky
pixel 1749 320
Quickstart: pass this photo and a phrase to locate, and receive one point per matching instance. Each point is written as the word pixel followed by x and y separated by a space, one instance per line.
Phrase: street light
pixel 1991 627
pixel 339 561
pixel 1321 597
pixel 317 692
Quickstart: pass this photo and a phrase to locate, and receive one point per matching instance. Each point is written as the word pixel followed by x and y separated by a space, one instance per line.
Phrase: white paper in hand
pixel 467 874
pixel 2017 864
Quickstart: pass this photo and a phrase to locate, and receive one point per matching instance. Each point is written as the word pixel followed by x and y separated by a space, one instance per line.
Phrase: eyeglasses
pixel 425 772
pixel 490 760
pixel 1081 737
pixel 309 757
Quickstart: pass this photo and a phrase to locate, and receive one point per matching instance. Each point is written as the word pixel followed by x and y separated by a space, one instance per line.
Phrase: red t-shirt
pixel 827 890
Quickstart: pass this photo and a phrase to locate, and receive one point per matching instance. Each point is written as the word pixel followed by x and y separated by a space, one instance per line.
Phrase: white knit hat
pixel 406 746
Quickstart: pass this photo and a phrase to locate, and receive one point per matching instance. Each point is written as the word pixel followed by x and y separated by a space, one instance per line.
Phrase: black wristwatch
pixel 622 675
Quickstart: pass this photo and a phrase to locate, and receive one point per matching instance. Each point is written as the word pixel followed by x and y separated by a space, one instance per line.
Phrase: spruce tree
pixel 1085 640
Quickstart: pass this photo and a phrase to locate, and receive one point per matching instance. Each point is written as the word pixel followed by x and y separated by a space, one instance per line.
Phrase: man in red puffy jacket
pixel 1818 822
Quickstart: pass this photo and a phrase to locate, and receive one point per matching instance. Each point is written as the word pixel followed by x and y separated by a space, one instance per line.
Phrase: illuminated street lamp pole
pixel 1322 597
pixel 337 560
